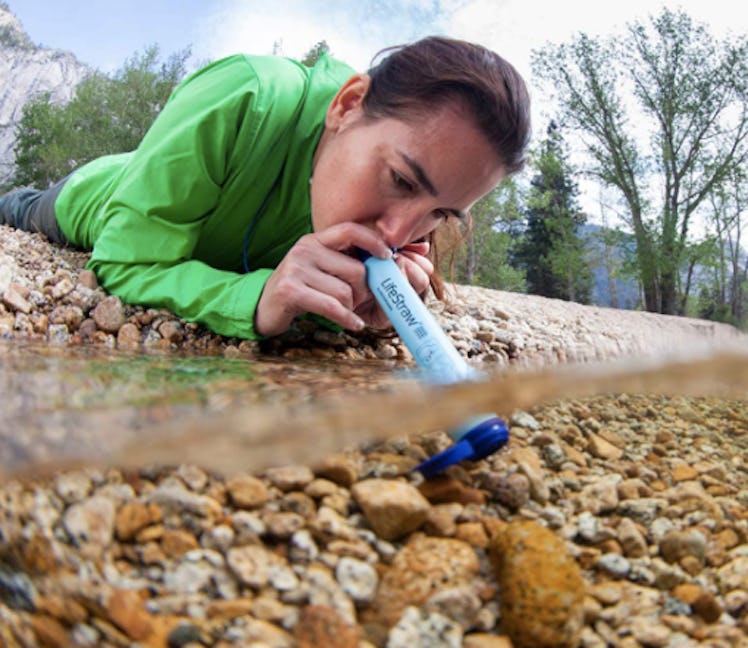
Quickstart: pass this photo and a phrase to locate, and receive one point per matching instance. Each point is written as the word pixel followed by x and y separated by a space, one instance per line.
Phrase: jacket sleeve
pixel 171 184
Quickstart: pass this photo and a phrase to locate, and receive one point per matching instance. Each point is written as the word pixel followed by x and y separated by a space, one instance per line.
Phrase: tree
pixel 106 115
pixel 663 117
pixel 728 205
pixel 315 53
pixel 552 251
pixel 485 257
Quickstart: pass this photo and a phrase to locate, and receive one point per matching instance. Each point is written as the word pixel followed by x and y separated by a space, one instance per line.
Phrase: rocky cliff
pixel 25 71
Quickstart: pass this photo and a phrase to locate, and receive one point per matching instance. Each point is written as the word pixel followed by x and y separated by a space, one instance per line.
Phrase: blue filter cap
pixel 478 443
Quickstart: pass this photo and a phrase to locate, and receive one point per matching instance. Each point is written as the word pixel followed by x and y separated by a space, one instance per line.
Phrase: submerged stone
pixel 541 586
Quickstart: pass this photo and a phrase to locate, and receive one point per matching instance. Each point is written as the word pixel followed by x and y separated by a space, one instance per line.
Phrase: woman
pixel 243 203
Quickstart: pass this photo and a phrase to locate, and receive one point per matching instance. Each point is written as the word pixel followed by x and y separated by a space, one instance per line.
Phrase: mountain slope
pixel 27 70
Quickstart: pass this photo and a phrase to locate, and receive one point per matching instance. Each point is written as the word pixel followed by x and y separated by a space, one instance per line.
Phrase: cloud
pixel 355 31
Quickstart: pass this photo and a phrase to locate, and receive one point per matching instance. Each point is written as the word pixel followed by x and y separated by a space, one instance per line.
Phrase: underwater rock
pixel 422 568
pixel 541 586
pixel 393 508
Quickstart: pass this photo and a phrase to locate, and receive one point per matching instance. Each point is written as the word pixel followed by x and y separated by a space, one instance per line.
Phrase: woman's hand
pixel 319 276
pixel 417 268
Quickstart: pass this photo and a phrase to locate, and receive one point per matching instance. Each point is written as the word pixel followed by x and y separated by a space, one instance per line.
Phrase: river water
pixel 64 407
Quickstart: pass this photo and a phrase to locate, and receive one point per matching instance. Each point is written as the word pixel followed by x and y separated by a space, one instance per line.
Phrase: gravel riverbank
pixel 607 521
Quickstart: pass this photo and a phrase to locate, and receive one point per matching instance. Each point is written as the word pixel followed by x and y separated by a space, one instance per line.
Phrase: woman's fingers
pixel 319 275
pixel 416 267
pixel 344 237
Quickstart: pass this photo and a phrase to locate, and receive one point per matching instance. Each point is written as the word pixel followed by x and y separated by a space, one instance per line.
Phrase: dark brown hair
pixel 430 72
pixel 425 75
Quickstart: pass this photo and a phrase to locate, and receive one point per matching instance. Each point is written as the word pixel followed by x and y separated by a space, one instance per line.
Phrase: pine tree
pixel 552 252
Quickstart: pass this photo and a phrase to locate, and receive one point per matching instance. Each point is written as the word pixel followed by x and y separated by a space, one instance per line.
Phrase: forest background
pixel 656 115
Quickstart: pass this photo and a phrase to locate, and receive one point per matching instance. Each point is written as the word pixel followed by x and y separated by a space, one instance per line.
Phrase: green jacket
pixel 167 222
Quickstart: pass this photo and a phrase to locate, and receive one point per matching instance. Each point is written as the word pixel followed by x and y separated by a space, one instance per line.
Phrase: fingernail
pixel 358 324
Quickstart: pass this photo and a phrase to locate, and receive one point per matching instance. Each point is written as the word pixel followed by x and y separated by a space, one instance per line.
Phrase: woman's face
pixel 401 178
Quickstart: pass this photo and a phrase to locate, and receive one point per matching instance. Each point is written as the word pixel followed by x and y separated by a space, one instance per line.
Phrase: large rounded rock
pixel 541 586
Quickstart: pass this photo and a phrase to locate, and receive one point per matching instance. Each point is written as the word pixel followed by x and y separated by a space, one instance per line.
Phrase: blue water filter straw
pixel 442 364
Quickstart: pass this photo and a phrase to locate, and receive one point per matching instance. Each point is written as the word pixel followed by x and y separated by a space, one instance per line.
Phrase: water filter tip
pixel 479 442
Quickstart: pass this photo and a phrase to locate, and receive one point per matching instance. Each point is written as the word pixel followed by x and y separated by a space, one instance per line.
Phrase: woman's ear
pixel 347 105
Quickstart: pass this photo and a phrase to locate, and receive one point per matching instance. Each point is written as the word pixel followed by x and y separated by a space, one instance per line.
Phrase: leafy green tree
pixel 484 259
pixel 663 116
pixel 106 115
pixel 552 252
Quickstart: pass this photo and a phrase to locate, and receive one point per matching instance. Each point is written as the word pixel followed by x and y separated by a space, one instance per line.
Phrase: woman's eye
pixel 402 182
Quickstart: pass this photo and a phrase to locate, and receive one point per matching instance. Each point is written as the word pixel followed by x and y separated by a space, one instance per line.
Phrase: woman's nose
pixel 398 228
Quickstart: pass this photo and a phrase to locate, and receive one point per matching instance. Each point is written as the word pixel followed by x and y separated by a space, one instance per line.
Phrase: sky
pixel 105 33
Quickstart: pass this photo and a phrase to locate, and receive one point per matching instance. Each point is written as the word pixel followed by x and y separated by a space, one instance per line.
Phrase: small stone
pixel 109 314
pixel 461 604
pixel 129 336
pixel 49 632
pixel 474 533
pixel 323 626
pixel 633 542
pixel 425 565
pixel 177 542
pixel 441 490
pixel 247 492
pixel 339 469
pixel 61 288
pixel 184 635
pixel 649 633
pixel 421 628
pixel 602 495
pixel 17 591
pixel 601 448
pixel 253 564
pixel 733 575
pixel 171 495
pixel 525 420
pixel 539 490
pixel 284 525
pixel 90 523
pixel 288 478
pixel 73 486
pixel 326 591
pixel 542 589
pixel 63 608
pixel 643 510
pixel 707 606
pixel 15 302
pixel 229 608
pixel 614 564
pixel 126 610
pixel 512 491
pixel 393 508
pixel 87 278
pixel 357 578
pixel 172 331
pixel 134 516
pixel 683 473
pixel 482 640
pixel 678 544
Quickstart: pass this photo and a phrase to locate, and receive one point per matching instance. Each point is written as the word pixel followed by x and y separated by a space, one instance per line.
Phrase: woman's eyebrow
pixel 419 173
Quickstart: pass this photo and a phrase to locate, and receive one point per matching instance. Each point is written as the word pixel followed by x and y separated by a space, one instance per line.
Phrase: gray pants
pixel 32 210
